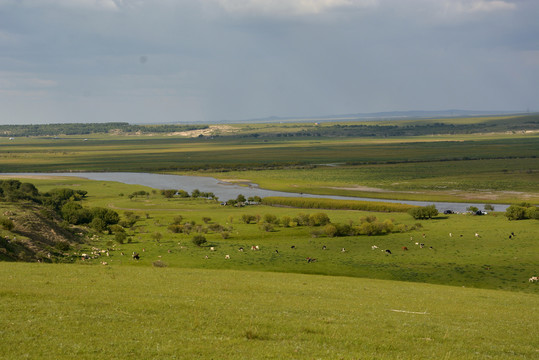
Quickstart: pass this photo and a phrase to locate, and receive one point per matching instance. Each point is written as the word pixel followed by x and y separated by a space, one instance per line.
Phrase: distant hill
pixel 387 115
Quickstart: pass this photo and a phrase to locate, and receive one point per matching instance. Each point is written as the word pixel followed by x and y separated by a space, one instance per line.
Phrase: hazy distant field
pixel 489 167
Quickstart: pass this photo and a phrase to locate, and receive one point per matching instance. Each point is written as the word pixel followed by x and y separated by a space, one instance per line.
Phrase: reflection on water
pixel 226 191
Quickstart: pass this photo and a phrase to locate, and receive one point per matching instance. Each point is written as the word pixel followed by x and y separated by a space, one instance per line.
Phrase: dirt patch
pixel 210 131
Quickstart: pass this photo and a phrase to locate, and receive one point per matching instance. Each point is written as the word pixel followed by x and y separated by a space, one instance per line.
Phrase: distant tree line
pixel 91 128
pixel 519 123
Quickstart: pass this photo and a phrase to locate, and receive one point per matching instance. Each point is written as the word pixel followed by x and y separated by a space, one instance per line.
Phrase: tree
pixel 240 198
pixel 168 193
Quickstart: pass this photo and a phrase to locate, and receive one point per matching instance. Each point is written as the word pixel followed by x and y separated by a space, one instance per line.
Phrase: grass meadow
pixel 115 312
pixel 490 261
pixel 499 168
pixel 459 296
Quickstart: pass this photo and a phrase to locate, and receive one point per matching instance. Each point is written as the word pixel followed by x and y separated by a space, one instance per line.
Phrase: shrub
pixel 120 237
pixel 6 224
pixel 319 219
pixel 247 219
pixel 285 221
pixel 266 227
pixel 271 219
pixel 522 211
pixel 175 228
pixel 159 263
pixel 199 240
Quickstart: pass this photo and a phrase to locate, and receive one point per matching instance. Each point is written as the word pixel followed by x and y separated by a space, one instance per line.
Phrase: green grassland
pixel 362 303
pixel 117 312
pixel 491 261
pixel 459 296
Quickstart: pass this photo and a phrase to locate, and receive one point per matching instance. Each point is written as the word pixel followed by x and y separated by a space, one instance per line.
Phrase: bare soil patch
pixel 211 130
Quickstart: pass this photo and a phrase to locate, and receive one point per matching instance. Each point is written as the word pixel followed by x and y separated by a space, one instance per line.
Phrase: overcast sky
pixel 144 61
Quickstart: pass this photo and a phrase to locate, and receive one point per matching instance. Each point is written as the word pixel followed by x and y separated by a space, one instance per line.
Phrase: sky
pixel 187 61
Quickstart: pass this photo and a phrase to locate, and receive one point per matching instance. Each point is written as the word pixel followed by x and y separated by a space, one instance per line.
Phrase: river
pixel 226 191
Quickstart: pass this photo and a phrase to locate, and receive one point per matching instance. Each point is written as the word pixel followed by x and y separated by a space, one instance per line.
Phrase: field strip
pixel 112 206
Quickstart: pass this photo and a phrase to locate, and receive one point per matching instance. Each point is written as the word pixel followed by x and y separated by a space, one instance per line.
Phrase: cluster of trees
pixel 179 226
pixel 91 128
pixel 241 200
pixel 16 191
pixel 322 225
pixel 98 218
pixel 170 193
pixel 66 203
pixel 423 212
pixel 530 122
pixel 522 211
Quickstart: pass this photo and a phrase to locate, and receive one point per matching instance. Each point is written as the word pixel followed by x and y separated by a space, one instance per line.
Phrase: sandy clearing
pixel 211 130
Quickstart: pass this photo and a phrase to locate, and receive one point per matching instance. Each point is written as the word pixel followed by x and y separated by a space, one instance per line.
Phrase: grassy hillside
pixel 492 260
pixel 88 312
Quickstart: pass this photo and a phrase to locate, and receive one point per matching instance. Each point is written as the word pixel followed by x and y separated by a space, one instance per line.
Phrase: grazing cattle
pixel 343 250
pixel 293 247
pixel 143 250
pixel 276 251
pixel 212 248
pixel 227 257
pixel 169 251
pixel 206 257
pixel 404 248
pixel 122 253
pixel 309 260
pixel 388 251
pixel 255 247
pixel 374 247
pixel 104 263
pixel 450 235
pixel 136 256
pixel 240 249
pixel 534 279
pixel 477 235
pixel 324 247
pixel 421 246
